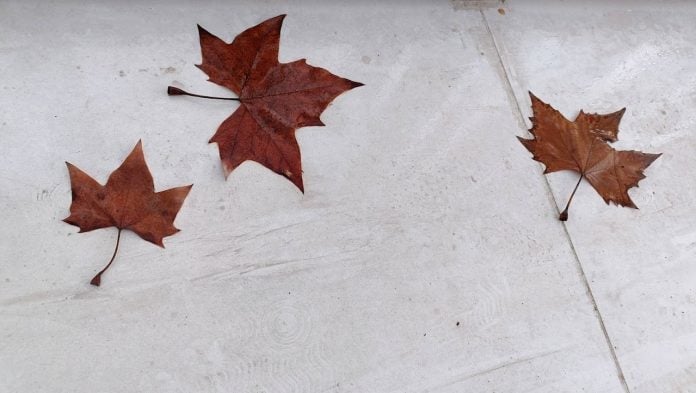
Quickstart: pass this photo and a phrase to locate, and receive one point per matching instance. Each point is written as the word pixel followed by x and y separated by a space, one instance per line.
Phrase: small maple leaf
pixel 275 98
pixel 127 201
pixel 581 146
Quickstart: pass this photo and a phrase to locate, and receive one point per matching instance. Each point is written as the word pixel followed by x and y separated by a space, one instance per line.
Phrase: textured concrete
pixel 425 255
pixel 640 264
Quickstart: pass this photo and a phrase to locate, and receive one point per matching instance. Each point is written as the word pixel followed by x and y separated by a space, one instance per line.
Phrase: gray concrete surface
pixel 425 255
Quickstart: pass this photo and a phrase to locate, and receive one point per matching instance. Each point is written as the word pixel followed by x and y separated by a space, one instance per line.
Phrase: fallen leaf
pixel 127 201
pixel 275 98
pixel 603 126
pixel 581 146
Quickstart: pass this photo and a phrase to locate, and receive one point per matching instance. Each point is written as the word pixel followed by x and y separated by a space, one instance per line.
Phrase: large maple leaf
pixel 275 98
pixel 582 146
pixel 127 201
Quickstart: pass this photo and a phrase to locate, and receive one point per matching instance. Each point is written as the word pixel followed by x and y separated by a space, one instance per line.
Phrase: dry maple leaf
pixel 275 98
pixel 581 146
pixel 127 201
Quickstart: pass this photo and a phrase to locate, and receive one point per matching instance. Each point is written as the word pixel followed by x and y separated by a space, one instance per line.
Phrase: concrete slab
pixel 424 256
pixel 600 57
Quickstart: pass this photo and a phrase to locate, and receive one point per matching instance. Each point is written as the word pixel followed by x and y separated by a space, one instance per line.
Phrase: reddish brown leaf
pixel 127 201
pixel 275 98
pixel 604 126
pixel 581 146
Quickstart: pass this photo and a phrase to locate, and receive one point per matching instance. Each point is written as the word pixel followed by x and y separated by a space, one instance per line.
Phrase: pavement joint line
pixel 520 117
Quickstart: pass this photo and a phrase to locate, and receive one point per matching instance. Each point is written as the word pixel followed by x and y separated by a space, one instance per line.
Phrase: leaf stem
pixel 175 91
pixel 564 213
pixel 97 279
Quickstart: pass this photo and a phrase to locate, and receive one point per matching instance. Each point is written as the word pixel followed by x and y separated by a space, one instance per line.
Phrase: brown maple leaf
pixel 275 98
pixel 127 201
pixel 581 146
